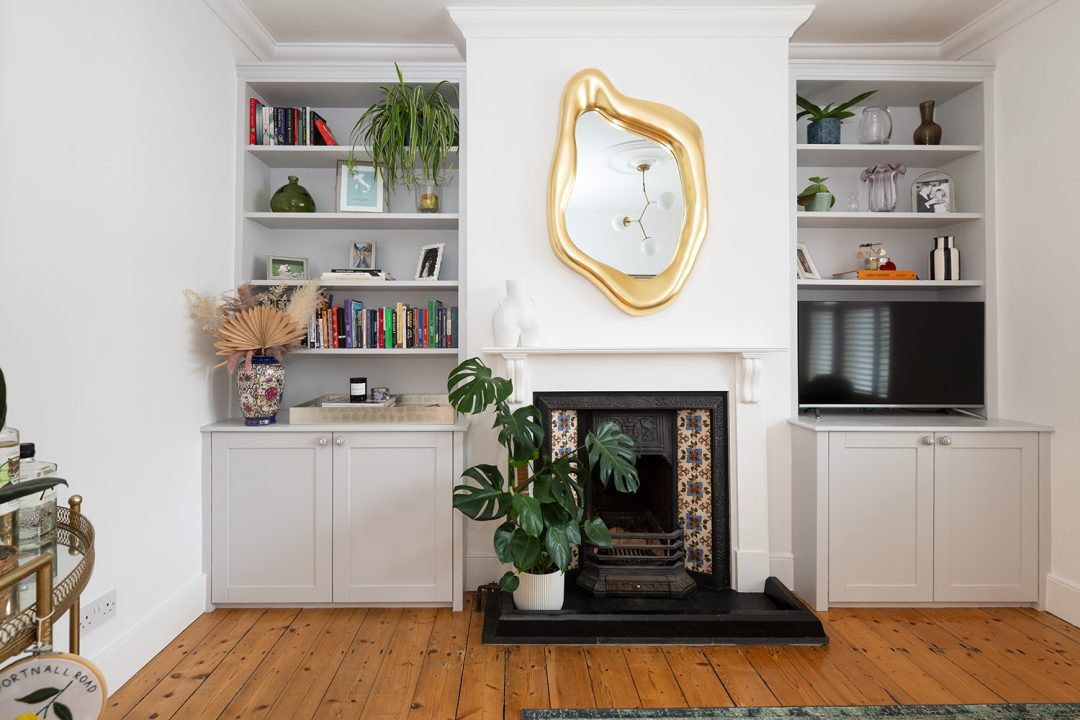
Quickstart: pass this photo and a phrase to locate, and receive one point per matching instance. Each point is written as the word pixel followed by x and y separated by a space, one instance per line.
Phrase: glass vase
pixel 428 197
pixel 882 178
pixel 875 126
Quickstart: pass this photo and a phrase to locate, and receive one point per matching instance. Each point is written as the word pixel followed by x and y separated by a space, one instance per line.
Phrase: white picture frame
pixel 933 192
pixel 804 264
pixel 429 264
pixel 362 255
pixel 360 190
pixel 280 267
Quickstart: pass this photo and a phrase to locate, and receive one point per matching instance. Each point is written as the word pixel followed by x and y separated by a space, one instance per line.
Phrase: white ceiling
pixel 426 21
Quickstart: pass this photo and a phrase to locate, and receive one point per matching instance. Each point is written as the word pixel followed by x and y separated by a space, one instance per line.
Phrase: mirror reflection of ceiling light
pixel 665 202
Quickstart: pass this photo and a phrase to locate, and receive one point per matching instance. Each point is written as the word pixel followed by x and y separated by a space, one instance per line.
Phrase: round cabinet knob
pixel 946 440
pixel 323 441
pixel 928 440
pixel 339 441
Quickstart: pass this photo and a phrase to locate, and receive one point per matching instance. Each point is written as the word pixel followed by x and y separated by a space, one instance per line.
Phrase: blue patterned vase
pixel 824 132
pixel 259 389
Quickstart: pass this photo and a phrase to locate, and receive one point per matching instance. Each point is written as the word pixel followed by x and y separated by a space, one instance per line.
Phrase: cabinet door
pixel 393 519
pixel 271 526
pixel 881 487
pixel 986 517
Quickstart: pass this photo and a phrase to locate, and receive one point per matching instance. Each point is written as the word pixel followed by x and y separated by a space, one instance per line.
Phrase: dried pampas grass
pixel 205 310
pixel 304 303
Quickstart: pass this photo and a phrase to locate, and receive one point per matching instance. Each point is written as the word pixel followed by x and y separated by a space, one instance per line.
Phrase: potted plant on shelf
pixel 824 127
pixel 540 502
pixel 409 134
pixel 816 197
pixel 254 331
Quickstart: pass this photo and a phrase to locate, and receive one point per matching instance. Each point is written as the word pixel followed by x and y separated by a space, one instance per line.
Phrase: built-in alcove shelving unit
pixel 963 96
pixel 340 94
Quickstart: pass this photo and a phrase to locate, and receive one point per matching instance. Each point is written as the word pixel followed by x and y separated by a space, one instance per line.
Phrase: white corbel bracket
pixel 750 389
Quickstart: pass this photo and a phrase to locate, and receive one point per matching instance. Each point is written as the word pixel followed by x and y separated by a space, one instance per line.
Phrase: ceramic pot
pixel 259 388
pixel 824 132
pixel 540 592
pixel 822 202
pixel 515 322
pixel 929 133
pixel 292 197
pixel 945 259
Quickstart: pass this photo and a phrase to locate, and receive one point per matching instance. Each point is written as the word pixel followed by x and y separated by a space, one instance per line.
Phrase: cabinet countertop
pixel 282 425
pixel 921 422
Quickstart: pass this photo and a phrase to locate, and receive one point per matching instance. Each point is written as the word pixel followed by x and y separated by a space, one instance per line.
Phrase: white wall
pixel 738 294
pixel 1037 184
pixel 116 148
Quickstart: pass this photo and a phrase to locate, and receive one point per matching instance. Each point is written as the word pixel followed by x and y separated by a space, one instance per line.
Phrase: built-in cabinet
pixel 912 515
pixel 334 517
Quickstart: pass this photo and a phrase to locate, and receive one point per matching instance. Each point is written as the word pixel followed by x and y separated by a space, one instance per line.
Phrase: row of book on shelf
pixel 353 326
pixel 270 125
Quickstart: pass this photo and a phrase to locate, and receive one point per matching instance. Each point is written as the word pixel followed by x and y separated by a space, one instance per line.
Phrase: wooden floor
pixel 427 663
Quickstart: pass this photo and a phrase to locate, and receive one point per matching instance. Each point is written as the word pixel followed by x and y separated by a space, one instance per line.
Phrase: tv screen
pixel 891 354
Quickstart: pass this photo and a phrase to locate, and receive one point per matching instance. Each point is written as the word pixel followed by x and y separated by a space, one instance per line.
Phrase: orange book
pixel 887 275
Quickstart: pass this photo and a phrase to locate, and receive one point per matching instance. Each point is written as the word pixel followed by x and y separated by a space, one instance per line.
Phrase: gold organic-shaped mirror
pixel 627 202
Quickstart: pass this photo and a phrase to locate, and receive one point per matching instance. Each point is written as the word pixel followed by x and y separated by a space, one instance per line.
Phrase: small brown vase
pixel 929 133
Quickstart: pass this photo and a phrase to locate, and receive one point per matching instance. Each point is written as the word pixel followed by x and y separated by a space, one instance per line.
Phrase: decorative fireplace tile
pixel 694 430
pixel 564 438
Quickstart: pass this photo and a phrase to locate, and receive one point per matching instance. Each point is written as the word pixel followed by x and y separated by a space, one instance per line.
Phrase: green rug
pixel 910 712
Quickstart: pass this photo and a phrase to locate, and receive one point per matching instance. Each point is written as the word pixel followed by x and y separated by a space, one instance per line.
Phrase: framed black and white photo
pixel 279 267
pixel 804 264
pixel 430 262
pixel 933 192
pixel 362 255
pixel 360 189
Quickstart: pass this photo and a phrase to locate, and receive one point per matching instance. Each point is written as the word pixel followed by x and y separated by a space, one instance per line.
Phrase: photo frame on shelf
pixel 804 264
pixel 362 255
pixel 933 192
pixel 279 267
pixel 360 189
pixel 429 264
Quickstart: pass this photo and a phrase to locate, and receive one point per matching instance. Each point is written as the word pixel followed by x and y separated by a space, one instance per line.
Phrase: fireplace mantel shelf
pixel 516 359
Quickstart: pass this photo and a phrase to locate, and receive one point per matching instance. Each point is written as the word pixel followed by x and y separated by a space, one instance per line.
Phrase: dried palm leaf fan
pixel 260 329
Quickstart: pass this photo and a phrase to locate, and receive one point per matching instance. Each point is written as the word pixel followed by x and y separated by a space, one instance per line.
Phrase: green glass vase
pixel 292 197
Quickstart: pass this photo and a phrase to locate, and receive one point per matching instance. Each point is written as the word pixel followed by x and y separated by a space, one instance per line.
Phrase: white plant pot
pixel 540 592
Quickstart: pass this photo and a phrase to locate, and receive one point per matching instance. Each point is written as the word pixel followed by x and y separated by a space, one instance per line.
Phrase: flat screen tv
pixel 891 354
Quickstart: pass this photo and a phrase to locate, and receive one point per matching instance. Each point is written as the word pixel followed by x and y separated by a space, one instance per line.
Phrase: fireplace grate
pixel 643 560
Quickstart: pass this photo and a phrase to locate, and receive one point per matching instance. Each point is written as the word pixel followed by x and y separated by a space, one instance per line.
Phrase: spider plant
pixel 408 134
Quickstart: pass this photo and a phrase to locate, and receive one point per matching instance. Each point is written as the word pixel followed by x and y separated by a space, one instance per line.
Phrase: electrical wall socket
pixel 95 613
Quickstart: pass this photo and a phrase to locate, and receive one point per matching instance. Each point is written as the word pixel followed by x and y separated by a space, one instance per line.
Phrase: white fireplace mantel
pixel 516 361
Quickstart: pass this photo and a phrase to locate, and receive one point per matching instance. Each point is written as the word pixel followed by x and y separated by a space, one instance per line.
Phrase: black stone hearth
pixel 708 617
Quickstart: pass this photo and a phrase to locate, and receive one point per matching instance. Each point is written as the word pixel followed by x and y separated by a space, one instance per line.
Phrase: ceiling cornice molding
pixel 880 69
pixel 997 20
pixel 628 22
pixel 991 24
pixel 360 71
pixel 245 26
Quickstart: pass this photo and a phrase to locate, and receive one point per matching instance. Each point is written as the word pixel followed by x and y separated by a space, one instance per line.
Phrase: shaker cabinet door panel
pixel 881 494
pixel 271 522
pixel 986 517
pixel 393 519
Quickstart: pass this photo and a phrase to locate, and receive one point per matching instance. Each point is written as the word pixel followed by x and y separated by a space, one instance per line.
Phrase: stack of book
pixel 286 126
pixel 887 275
pixel 339 274
pixel 354 326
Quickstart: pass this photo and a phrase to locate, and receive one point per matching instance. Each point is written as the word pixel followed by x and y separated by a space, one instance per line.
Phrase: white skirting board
pixel 782 567
pixel 130 652
pixel 1063 598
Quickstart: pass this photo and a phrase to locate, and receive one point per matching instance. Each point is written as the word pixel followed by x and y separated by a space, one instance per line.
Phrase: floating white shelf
pixel 313 156
pixel 918 156
pixel 881 220
pixel 890 284
pixel 412 352
pixel 374 286
pixel 354 221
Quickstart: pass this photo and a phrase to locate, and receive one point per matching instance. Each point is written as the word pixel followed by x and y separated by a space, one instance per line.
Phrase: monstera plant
pixel 539 500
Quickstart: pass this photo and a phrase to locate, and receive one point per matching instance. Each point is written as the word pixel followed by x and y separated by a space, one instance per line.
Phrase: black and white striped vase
pixel 945 259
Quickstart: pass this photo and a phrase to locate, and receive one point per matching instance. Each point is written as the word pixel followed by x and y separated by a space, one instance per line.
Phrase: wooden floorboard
pixel 426 664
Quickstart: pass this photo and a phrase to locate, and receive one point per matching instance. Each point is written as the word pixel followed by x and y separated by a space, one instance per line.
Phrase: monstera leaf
pixel 503 534
pixel 558 547
pixel 598 532
pixel 509 582
pixel 487 500
pixel 529 514
pixel 525 550
pixel 613 451
pixel 520 433
pixel 472 388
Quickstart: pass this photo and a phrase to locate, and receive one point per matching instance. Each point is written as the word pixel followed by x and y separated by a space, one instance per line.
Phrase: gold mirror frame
pixel 590 89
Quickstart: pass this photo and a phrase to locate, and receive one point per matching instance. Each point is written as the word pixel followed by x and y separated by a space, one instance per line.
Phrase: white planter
pixel 540 592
